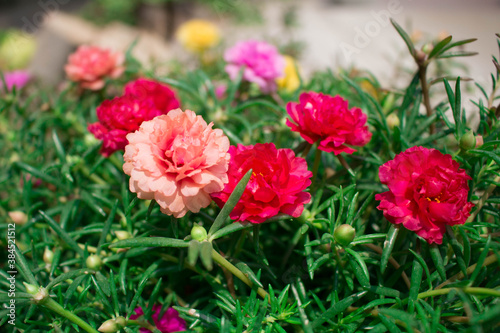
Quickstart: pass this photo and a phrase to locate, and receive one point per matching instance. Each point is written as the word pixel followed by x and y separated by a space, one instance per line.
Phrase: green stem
pixel 345 165
pixel 306 150
pixel 52 305
pixel 422 73
pixel 488 261
pixel 95 178
pixel 483 199
pixel 467 290
pixel 317 160
pixel 236 272
pixel 142 323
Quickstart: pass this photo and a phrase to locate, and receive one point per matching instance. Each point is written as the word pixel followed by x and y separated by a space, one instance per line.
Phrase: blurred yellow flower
pixel 290 81
pixel 198 35
pixel 16 50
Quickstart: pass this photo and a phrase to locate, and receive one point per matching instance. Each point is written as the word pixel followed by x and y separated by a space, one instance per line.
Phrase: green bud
pixel 121 234
pixel 305 216
pixel 94 262
pixel 198 233
pixel 31 289
pixel 48 256
pixel 120 321
pixel 344 234
pixel 427 48
pixel 393 120
pixel 109 326
pixel 468 141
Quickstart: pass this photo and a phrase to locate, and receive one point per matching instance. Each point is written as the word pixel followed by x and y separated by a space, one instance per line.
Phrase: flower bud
pixel 31 289
pixel 420 56
pixel 479 141
pixel 468 141
pixel 393 120
pixel 344 234
pixel 198 233
pixel 109 326
pixel 427 48
pixel 305 216
pixel 18 217
pixel 48 256
pixel 121 321
pixel 121 234
pixel 41 295
pixel 94 262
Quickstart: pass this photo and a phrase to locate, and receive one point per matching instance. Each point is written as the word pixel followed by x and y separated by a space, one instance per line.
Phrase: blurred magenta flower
pixel 427 192
pixel 328 119
pixel 90 65
pixel 177 160
pixel 261 61
pixel 168 323
pixel 163 98
pixel 277 184
pixel 15 78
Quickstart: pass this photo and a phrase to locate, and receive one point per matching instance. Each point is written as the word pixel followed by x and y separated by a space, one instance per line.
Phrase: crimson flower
pixel 327 119
pixel 427 192
pixel 169 322
pixel 277 184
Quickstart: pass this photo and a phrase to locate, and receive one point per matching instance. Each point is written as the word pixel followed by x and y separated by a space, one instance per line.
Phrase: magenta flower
pixel 163 98
pixel 277 184
pixel 261 61
pixel 427 191
pixel 15 78
pixel 168 323
pixel 327 119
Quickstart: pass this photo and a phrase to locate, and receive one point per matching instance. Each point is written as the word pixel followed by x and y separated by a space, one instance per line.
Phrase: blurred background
pixel 319 33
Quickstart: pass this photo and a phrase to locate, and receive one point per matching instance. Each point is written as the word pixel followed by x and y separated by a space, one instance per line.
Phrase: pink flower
pixel 178 160
pixel 277 184
pixel 169 321
pixel 262 63
pixel 161 95
pixel 117 118
pixel 15 78
pixel 427 191
pixel 90 65
pixel 327 119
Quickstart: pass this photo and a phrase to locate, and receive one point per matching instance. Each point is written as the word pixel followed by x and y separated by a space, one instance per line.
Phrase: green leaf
pixel 69 275
pixel 405 37
pixel 39 174
pixel 149 242
pixel 59 147
pixel 337 308
pixel 416 279
pixel 229 229
pixel 388 246
pixel 249 273
pixel 486 153
pixel 457 54
pixel 193 252
pixel 457 249
pixel 107 226
pixel 364 276
pixel 480 260
pixel 206 254
pixel 424 265
pixel 62 234
pixel 231 202
pixel 23 267
pixel 439 47
pixel 140 287
pixel 438 261
pixel 103 283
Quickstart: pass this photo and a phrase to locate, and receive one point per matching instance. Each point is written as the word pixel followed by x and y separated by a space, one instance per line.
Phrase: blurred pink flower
pixel 15 78
pixel 327 119
pixel 168 323
pixel 119 117
pixel 261 61
pixel 427 191
pixel 90 65
pixel 178 160
pixel 277 184
pixel 160 94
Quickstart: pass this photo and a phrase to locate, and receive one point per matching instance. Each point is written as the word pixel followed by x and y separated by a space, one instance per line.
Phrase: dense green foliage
pixel 78 203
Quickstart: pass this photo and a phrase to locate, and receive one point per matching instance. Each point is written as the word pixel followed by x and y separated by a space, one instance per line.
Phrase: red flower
pixel 167 323
pixel 427 191
pixel 277 184
pixel 161 95
pixel 117 118
pixel 327 119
